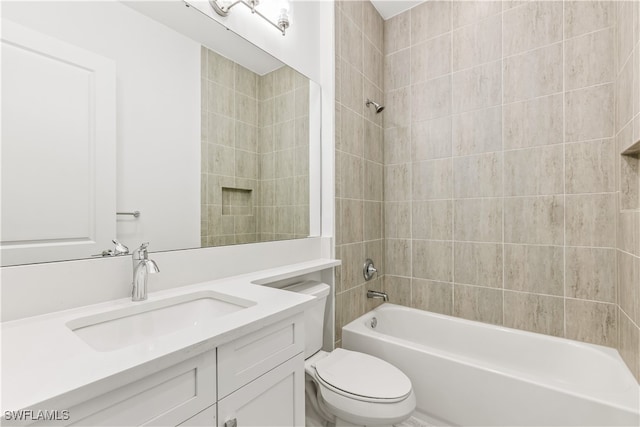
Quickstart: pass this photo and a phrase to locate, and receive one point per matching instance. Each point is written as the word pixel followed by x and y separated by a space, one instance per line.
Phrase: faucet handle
pixel 120 249
pixel 141 252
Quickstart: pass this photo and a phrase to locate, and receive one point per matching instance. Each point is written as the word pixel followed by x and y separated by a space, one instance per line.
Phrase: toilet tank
pixel 313 315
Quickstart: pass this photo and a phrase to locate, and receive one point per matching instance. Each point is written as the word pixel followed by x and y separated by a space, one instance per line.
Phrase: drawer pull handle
pixel 231 423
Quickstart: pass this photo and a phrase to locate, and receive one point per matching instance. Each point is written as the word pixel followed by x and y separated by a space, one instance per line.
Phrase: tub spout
pixel 377 294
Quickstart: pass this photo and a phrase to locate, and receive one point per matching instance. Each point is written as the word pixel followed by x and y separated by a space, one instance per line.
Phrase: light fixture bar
pixel 223 10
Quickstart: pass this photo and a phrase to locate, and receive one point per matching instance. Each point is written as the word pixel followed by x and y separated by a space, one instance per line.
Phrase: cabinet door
pixel 274 399
pixel 165 398
pixel 206 418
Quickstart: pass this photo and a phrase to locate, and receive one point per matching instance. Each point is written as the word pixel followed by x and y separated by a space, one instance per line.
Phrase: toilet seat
pixel 354 391
pixel 363 377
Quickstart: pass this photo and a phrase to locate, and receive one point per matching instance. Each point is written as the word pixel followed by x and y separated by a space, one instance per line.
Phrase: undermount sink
pixel 119 328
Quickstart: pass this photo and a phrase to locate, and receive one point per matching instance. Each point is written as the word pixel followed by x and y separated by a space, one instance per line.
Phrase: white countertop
pixel 44 362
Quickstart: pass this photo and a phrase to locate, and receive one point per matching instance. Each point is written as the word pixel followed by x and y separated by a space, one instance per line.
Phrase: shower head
pixel 377 106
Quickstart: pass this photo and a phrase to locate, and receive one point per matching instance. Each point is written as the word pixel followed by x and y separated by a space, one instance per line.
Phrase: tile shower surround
pixel 504 198
pixel 255 153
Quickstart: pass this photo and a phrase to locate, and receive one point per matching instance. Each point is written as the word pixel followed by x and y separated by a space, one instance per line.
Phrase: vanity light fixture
pixel 280 18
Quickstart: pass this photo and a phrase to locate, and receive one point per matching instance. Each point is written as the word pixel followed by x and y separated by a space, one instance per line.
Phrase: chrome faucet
pixel 377 294
pixel 142 267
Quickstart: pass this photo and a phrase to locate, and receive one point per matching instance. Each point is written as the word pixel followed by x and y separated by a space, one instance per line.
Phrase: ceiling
pixel 391 8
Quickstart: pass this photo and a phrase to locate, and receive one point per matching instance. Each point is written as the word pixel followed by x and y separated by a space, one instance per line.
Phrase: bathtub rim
pixel 626 400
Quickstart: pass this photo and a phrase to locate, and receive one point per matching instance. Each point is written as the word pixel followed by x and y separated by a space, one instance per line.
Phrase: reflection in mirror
pixel 151 107
pixel 255 153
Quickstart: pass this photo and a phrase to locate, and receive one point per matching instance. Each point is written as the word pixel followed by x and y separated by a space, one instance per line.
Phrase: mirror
pixel 148 121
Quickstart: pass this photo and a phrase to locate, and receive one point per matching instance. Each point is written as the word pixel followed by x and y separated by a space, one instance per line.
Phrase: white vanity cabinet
pixel 166 397
pixel 261 377
pixel 254 380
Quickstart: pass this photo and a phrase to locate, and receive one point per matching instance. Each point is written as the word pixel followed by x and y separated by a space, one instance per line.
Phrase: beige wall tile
pixel 430 19
pixel 536 313
pixel 478 220
pixel 349 306
pixel 350 42
pixel 478 87
pixel 284 108
pixel 468 12
pixel 431 99
pixel 397 182
pixel 397 145
pixel 625 40
pixel 432 220
pixel 628 289
pixel 221 130
pixel 532 74
pixel 432 179
pixel 534 220
pixel 589 113
pixel 352 257
pixel 532 25
pixel 373 25
pixel 352 132
pixel 478 131
pixel 592 322
pixel 221 159
pixel 398 289
pixel 246 137
pixel 432 260
pixel 590 167
pixel 398 257
pixel 221 99
pixel 430 139
pixel 624 95
pixel 397 69
pixel 373 134
pixel 373 181
pixel 428 295
pixel 220 69
pixel 431 58
pixel 479 264
pixel 629 343
pixel 373 64
pixel 351 80
pixel 534 122
pixel 372 220
pixel 534 171
pixel 478 176
pixel 589 59
pixel 591 274
pixel 477 43
pixel 397 32
pixel 352 225
pixel 397 112
pixel 591 220
pixel 247 164
pixel 397 220
pixel 352 176
pixel 582 17
pixel 629 232
pixel 628 172
pixel 537 269
pixel 477 303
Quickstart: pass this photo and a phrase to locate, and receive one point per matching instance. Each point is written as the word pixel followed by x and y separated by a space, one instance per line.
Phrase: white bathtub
pixel 467 373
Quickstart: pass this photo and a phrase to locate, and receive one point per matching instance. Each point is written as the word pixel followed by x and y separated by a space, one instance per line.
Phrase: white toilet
pixel 348 388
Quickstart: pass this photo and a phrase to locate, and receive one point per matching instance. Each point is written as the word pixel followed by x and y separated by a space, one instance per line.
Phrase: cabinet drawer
pixel 246 358
pixel 165 398
pixel 206 418
pixel 275 399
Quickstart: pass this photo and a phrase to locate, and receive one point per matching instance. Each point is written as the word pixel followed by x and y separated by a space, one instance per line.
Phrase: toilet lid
pixel 363 375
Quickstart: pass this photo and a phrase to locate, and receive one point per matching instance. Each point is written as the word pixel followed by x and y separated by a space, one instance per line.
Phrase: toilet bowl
pixel 358 389
pixel 349 388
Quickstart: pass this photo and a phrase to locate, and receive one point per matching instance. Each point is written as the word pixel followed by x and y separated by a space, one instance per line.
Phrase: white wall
pixel 308 47
pixel 157 112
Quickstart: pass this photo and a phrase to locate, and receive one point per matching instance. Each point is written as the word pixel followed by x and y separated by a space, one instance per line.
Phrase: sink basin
pixel 142 322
